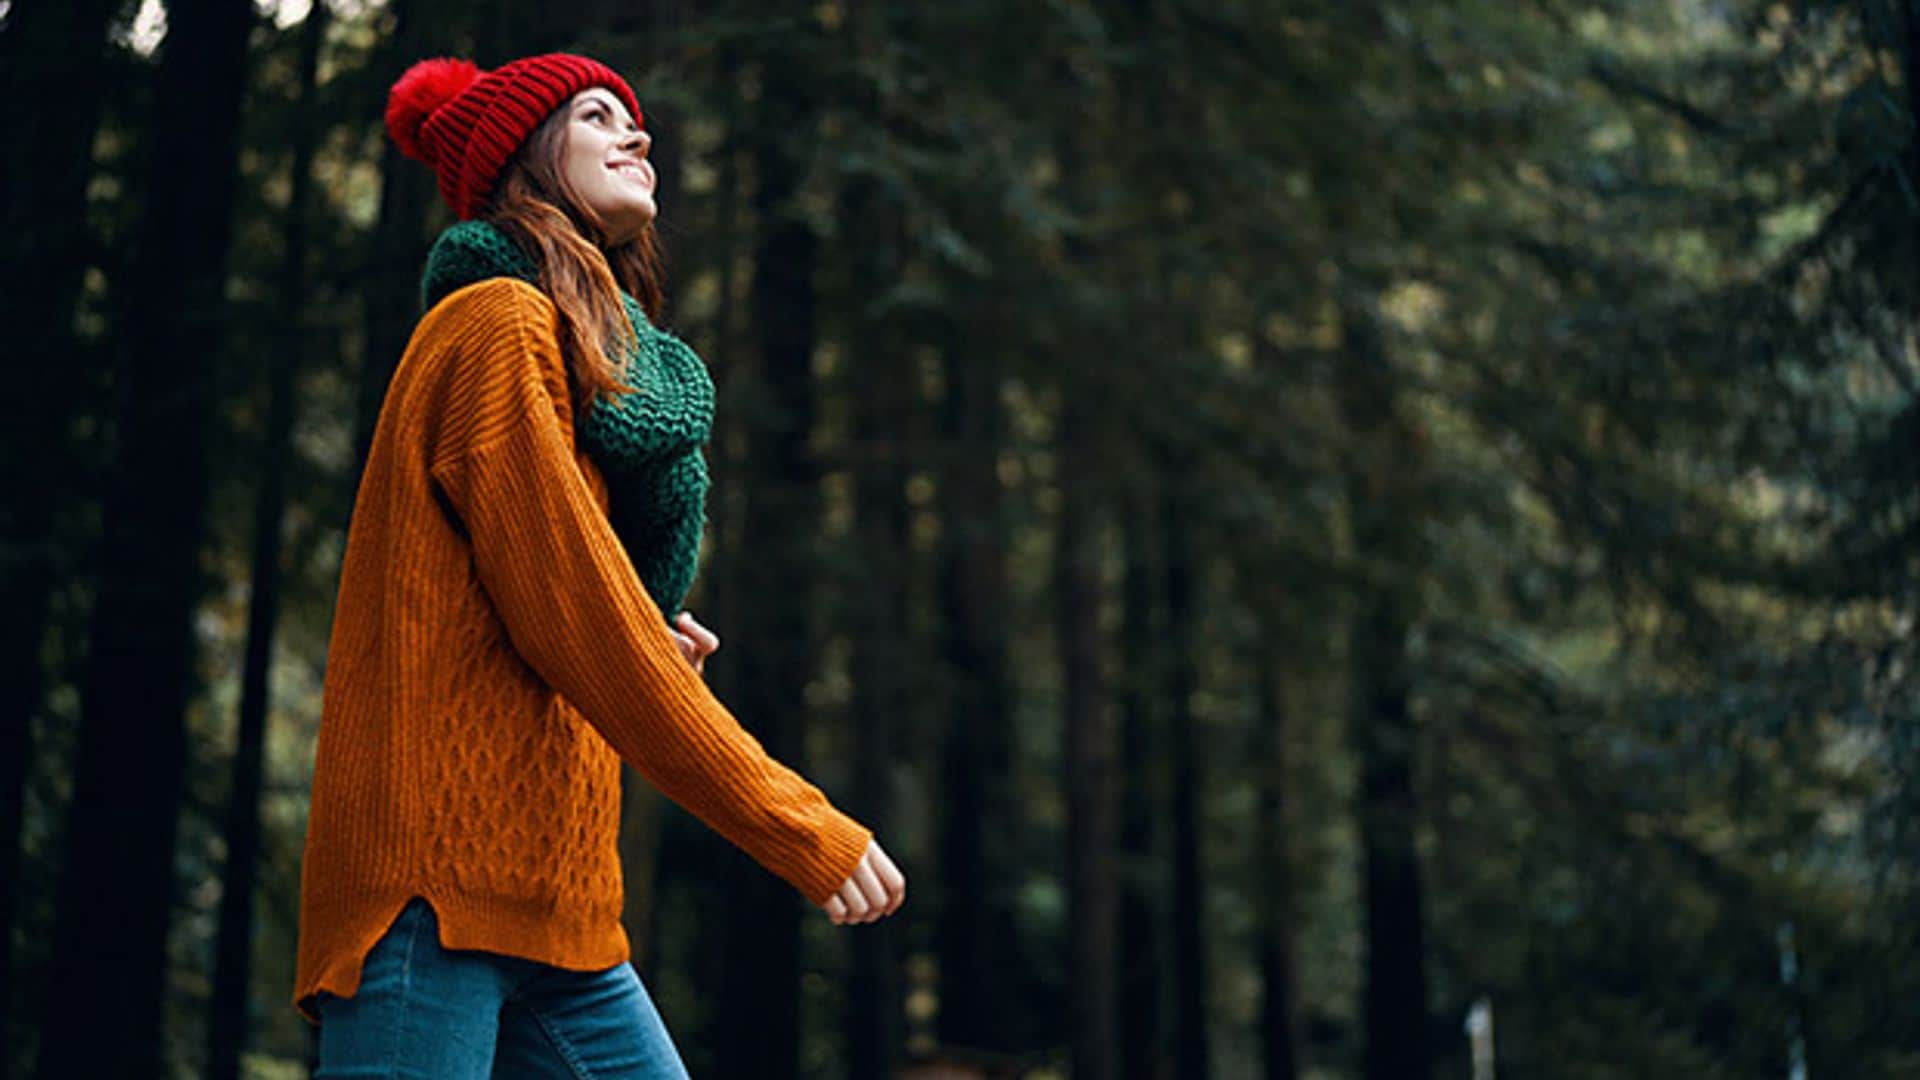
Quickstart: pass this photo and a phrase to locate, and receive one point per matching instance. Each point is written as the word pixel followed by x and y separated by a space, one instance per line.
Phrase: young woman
pixel 531 508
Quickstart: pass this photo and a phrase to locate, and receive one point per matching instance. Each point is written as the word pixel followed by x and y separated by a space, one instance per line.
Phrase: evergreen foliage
pixel 1311 516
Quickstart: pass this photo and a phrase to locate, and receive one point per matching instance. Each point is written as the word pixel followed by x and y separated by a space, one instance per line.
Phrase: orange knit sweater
pixel 494 657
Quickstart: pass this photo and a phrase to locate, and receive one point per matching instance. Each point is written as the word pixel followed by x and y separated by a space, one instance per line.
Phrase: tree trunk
pixel 233 956
pixel 1279 1006
pixel 1092 884
pixel 982 970
pixel 505 30
pixel 874 1019
pixel 729 360
pixel 1395 999
pixel 640 844
pixel 1144 1045
pixel 1189 938
pixel 883 406
pixel 391 292
pixel 1396 992
pixel 52 70
pixel 104 993
pixel 1910 70
pixel 760 1034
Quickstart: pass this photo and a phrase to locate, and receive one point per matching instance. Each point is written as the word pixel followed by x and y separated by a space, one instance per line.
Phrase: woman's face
pixel 604 162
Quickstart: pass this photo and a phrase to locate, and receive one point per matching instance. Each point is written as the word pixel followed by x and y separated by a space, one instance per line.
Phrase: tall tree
pixel 880 705
pixel 781 522
pixel 1187 878
pixel 974 932
pixel 104 993
pixel 1279 577
pixel 227 1029
pixel 986 977
pixel 1143 982
pixel 877 349
pixel 1169 349
pixel 1279 986
pixel 1090 752
pixel 394 250
pixel 53 67
pixel 1395 1009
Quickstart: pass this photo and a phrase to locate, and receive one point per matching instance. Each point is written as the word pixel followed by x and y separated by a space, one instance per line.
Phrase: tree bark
pixel 982 972
pixel 729 360
pixel 1279 1006
pixel 398 244
pixel 1910 70
pixel 1189 876
pixel 233 955
pixel 505 30
pixel 1144 1043
pixel 884 402
pixel 874 1020
pixel 1395 1007
pixel 54 63
pixel 1092 884
pixel 104 993
pixel 760 1000
pixel 1396 993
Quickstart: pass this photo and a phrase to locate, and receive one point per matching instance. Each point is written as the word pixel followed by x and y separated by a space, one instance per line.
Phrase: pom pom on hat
pixel 466 124
pixel 425 87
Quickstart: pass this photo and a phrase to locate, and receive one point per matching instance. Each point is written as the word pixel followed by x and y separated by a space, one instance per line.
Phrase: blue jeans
pixel 437 1014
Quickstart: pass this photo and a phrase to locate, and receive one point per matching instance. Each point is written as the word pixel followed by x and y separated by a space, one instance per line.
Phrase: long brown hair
pixel 535 206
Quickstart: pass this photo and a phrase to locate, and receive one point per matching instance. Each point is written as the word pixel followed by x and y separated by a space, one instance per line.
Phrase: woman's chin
pixel 631 222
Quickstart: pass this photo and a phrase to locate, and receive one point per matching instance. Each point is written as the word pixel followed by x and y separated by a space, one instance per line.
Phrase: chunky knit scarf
pixel 647 444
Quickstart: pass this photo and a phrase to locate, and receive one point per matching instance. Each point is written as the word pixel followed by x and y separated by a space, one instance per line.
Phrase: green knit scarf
pixel 647 444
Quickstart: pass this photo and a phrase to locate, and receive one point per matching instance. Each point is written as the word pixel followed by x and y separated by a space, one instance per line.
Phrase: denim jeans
pixel 437 1014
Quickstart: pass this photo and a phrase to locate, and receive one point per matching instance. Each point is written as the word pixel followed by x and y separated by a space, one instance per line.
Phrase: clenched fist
pixel 876 889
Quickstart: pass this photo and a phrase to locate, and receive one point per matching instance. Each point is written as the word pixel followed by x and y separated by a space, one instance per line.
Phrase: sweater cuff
pixel 819 874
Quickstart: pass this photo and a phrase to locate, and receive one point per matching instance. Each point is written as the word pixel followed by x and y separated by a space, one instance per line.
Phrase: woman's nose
pixel 640 141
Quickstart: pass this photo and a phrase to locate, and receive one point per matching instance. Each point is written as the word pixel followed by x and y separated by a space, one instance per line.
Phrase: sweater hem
pixel 527 930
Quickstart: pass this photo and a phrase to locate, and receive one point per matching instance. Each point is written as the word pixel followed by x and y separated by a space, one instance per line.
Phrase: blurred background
pixel 1371 540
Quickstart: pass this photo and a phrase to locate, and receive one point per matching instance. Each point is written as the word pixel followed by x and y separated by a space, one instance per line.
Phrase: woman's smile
pixel 638 170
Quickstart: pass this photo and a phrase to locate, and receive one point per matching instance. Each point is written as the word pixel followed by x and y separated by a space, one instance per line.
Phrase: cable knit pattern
pixel 494 656
pixel 646 443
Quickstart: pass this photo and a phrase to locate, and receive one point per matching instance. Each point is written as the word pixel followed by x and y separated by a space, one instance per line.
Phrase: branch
pixel 1619 82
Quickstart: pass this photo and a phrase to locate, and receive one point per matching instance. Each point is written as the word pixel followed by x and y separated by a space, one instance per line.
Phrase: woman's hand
pixel 876 889
pixel 696 642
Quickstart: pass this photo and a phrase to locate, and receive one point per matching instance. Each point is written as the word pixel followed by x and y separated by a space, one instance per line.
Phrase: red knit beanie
pixel 465 123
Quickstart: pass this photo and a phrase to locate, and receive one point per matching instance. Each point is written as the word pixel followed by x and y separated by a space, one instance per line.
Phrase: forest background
pixel 1370 539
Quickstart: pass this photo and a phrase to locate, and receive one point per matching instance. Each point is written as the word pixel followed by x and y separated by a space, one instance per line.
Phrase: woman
pixel 532 504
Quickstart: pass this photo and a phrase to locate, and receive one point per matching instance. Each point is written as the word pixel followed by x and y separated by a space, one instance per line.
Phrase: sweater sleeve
pixel 576 611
